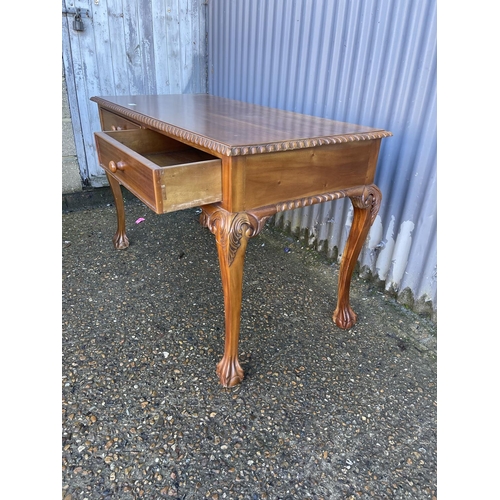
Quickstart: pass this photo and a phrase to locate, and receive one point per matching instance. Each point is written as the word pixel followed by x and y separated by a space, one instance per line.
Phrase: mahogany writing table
pixel 241 163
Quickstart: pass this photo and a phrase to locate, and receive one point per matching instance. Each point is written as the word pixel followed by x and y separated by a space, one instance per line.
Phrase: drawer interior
pixel 158 148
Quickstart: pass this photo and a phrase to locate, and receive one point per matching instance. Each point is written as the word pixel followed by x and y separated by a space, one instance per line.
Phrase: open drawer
pixel 165 174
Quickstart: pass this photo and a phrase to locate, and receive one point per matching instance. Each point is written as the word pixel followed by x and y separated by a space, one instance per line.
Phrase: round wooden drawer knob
pixel 117 166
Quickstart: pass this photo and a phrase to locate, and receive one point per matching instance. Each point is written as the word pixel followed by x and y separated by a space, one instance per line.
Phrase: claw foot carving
pixel 344 317
pixel 230 372
pixel 120 241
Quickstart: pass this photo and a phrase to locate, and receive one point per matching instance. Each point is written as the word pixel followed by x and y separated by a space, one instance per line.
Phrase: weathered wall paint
pixel 363 61
pixel 129 47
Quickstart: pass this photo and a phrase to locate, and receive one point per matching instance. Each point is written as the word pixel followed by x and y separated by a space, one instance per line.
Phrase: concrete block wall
pixel 71 178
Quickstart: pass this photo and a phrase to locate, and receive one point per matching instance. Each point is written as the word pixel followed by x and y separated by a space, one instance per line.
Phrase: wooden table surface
pixel 231 127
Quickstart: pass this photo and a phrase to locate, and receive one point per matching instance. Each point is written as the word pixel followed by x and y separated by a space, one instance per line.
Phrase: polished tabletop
pixel 234 127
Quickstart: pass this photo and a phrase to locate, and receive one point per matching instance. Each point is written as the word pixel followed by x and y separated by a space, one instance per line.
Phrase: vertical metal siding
pixel 366 61
pixel 129 47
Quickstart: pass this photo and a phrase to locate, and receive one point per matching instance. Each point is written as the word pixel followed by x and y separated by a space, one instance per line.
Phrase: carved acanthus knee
pixel 369 199
pixel 232 228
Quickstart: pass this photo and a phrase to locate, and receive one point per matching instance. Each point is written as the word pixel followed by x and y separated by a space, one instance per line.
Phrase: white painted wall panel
pixel 129 47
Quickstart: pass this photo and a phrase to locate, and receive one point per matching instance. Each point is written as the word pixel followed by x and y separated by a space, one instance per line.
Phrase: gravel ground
pixel 321 414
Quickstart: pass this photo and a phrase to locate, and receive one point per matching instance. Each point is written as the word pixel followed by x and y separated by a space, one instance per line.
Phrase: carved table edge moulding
pixel 233 229
pixel 228 150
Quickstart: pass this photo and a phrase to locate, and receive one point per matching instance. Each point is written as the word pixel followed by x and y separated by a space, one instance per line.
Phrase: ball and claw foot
pixel 230 372
pixel 344 317
pixel 120 241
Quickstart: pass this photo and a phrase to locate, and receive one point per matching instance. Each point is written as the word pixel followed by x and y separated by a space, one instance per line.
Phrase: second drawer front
pixel 111 121
pixel 179 184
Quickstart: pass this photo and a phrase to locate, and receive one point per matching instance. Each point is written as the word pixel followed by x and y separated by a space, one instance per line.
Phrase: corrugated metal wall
pixel 129 47
pixel 364 61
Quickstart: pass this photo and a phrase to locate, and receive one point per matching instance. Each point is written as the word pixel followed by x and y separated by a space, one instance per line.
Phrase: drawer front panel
pixel 134 172
pixel 111 121
pixel 166 180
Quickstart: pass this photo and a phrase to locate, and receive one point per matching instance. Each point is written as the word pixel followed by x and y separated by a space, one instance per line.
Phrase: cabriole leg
pixel 232 232
pixel 120 239
pixel 366 208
